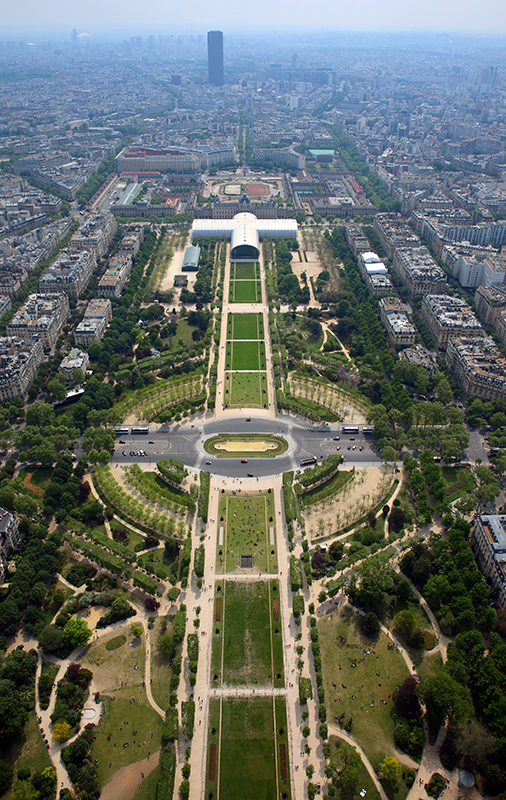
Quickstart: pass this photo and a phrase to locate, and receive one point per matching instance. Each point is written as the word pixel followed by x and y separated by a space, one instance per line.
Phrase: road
pixel 186 443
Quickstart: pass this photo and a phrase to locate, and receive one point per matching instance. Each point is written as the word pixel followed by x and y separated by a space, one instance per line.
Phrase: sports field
pixel 246 355
pixel 245 326
pixel 245 292
pixel 246 528
pixel 247 642
pixel 245 751
pixel 244 271
pixel 245 390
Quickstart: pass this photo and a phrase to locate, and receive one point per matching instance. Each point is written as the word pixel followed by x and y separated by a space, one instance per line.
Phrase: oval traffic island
pixel 253 445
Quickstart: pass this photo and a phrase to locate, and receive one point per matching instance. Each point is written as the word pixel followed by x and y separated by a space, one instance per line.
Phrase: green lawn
pixel 147 789
pixel 40 476
pixel 161 672
pixel 246 390
pixel 245 292
pixel 157 561
pixel 212 762
pixel 140 718
pixel 245 355
pixel 245 326
pixel 244 530
pixel 458 479
pixel 430 666
pixel 247 757
pixel 248 651
pixel 128 537
pixel 372 709
pixel 244 271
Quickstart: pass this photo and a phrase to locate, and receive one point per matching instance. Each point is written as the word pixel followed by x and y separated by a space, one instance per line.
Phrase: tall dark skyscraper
pixel 215 57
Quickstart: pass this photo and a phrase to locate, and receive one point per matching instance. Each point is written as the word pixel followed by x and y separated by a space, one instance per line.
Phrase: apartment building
pixel 10 538
pixel 399 330
pixel 75 359
pixel 43 315
pixel 418 271
pixel 356 239
pixel 478 365
pixel 96 234
pixel 394 232
pixel 93 326
pixel 489 302
pixel 20 359
pixel 132 239
pixel 447 316
pixel 115 277
pixel 472 271
pixel 70 272
pixel 488 541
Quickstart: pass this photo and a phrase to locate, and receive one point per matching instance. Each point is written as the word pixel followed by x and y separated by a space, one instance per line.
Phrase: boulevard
pixel 186 444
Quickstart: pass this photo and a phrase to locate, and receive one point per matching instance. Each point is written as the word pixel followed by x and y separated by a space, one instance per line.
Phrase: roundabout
pixel 255 445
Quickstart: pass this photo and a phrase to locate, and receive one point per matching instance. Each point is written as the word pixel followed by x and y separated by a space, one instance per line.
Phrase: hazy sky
pixel 197 16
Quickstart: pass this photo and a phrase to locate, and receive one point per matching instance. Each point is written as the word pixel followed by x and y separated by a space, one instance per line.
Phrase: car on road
pixel 250 475
pixel 244 460
pixel 122 441
pixel 248 419
pixel 208 462
pixel 336 438
pixel 352 439
pixel 151 441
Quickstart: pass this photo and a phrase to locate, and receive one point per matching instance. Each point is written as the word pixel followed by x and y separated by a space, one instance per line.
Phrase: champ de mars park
pixel 260 602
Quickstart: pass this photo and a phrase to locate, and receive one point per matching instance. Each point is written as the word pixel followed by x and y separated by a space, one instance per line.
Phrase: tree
pixel 167 646
pixel 56 387
pixel 390 770
pixel 51 639
pixel 488 486
pixel 443 697
pixel 61 731
pixel 6 773
pixel 24 790
pixel 388 454
pixel 475 743
pixel 137 630
pixel 76 632
pixel 406 699
pixel 370 624
pixel 405 622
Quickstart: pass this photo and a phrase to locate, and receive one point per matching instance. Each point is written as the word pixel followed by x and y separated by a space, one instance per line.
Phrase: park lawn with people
pixel 127 710
pixel 360 677
pixel 244 531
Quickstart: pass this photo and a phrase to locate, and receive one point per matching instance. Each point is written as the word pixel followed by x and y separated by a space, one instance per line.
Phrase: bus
pixel 350 429
pixel 307 461
pixel 368 429
pixel 140 430
pixel 121 431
